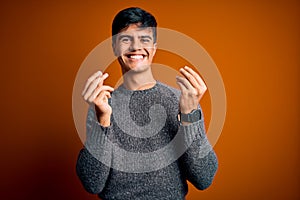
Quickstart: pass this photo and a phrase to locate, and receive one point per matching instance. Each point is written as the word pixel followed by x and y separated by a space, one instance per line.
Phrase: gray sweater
pixel 145 153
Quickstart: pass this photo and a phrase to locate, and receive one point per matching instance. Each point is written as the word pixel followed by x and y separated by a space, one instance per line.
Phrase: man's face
pixel 135 48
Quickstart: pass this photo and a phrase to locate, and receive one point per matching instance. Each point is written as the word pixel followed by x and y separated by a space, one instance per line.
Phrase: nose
pixel 135 45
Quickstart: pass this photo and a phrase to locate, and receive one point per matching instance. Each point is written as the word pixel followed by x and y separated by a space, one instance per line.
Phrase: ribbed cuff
pixel 195 132
pixel 97 142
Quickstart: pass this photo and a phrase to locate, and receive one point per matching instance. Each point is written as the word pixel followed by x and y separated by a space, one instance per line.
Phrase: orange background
pixel 255 45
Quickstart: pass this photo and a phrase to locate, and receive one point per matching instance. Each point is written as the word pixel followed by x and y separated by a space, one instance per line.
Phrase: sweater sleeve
pixel 94 160
pixel 199 162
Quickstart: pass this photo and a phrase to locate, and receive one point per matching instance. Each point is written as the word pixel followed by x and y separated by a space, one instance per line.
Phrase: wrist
pixel 104 120
pixel 188 110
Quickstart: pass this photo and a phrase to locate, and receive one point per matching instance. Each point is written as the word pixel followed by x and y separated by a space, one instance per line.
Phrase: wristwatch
pixel 193 116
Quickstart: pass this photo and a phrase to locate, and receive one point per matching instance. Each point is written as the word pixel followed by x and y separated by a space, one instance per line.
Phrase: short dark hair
pixel 133 15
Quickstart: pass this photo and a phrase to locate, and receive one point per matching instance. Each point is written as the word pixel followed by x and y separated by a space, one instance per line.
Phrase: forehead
pixel 135 29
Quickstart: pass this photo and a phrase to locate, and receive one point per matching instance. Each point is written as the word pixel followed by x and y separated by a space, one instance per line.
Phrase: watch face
pixel 195 115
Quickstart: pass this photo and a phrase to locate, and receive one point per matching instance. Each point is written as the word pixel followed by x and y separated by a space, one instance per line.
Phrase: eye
pixel 145 40
pixel 125 40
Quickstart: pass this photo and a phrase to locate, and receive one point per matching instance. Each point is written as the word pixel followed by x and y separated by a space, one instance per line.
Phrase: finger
pixel 196 76
pixel 93 85
pixel 184 82
pixel 91 79
pixel 97 82
pixel 190 77
pixel 181 86
pixel 98 90
pixel 102 97
pixel 102 78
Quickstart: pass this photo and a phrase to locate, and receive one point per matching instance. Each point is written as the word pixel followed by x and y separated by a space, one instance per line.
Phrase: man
pixel 125 121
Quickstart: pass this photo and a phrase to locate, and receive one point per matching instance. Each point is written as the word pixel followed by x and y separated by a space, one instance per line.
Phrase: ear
pixel 114 48
pixel 154 48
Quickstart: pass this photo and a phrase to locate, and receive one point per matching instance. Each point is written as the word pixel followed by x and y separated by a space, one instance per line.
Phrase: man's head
pixel 134 38
pixel 133 15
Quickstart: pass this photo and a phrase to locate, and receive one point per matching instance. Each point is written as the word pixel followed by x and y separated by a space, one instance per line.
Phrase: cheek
pixel 120 50
pixel 151 52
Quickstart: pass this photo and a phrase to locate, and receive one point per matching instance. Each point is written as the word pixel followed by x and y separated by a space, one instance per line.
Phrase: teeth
pixel 136 56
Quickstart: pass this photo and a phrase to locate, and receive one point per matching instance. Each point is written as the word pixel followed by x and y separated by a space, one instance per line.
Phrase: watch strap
pixel 193 116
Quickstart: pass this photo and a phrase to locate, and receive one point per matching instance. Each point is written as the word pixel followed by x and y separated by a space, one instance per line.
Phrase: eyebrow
pixel 122 36
pixel 129 36
pixel 146 36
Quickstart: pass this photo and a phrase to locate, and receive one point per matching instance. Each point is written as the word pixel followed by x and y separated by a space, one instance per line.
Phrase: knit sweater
pixel 146 153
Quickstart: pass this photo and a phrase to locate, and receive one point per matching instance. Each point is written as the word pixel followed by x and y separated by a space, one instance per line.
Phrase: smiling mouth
pixel 135 56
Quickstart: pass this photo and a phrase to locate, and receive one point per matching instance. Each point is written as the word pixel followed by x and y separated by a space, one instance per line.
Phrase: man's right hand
pixel 97 93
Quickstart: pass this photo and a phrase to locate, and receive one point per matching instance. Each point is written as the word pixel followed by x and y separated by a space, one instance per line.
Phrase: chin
pixel 138 67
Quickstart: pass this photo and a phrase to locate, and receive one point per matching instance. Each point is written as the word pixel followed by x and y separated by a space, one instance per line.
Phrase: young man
pixel 140 118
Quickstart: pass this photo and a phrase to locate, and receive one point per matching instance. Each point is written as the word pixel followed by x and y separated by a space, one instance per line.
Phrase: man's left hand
pixel 192 89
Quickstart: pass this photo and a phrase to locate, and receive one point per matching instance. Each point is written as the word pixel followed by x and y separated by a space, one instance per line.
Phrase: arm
pixel 94 160
pixel 199 162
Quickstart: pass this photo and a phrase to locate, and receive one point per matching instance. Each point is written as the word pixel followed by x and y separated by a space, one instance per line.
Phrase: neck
pixel 139 80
